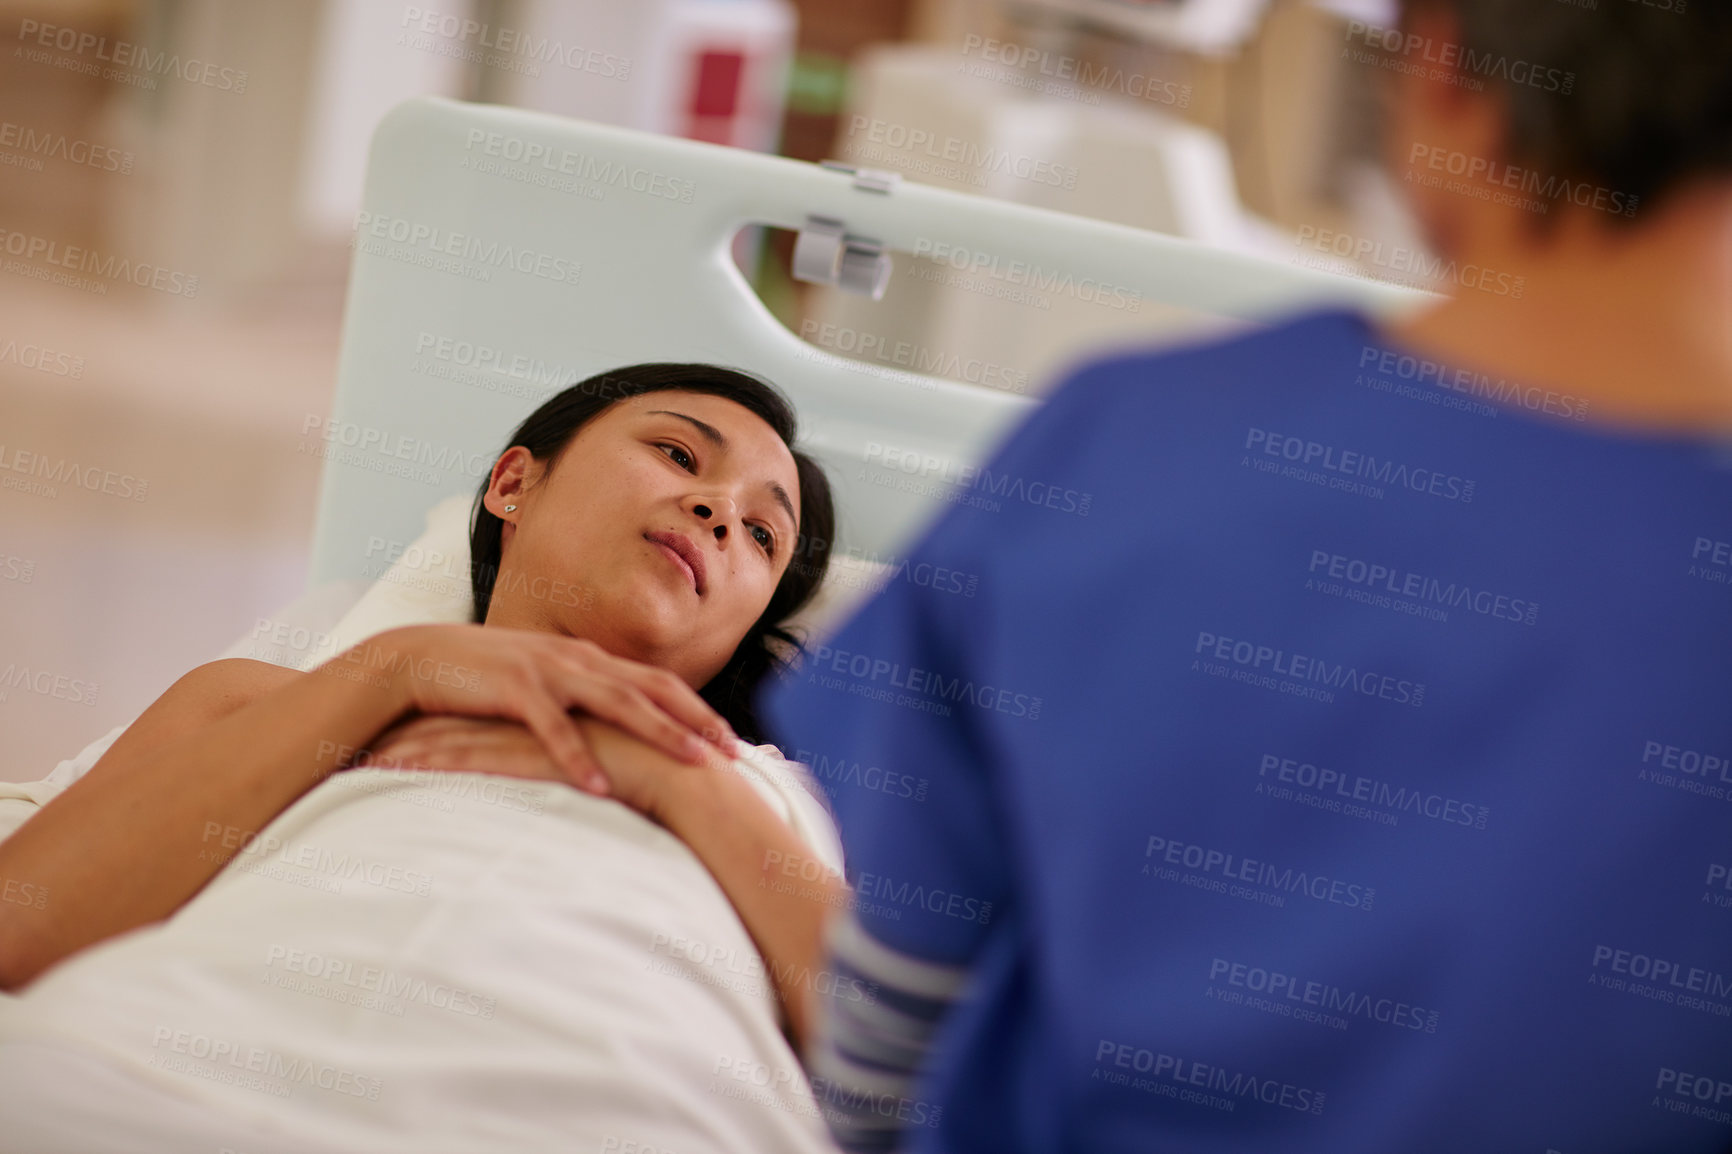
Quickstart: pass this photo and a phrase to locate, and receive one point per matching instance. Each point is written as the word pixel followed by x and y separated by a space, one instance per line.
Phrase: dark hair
pixel 1650 107
pixel 551 427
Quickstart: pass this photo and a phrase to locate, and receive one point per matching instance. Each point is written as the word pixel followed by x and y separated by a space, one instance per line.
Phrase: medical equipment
pixel 713 70
pixel 502 255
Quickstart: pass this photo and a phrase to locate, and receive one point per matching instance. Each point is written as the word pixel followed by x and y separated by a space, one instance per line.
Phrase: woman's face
pixel 594 546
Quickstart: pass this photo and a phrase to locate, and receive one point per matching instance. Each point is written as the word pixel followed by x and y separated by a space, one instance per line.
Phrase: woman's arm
pixel 219 755
pixel 209 693
pixel 783 893
pixel 234 744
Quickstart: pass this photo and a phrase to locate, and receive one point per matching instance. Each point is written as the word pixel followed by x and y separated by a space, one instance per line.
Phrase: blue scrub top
pixel 1299 746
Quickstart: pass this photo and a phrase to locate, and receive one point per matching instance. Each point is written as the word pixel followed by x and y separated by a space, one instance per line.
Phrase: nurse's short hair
pixel 1649 105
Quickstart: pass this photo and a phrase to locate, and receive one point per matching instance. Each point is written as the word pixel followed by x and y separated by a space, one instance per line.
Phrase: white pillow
pixel 424 583
pixel 289 636
pixel 427 582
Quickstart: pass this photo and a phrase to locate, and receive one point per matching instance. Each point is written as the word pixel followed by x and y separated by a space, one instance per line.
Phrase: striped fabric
pixel 867 1052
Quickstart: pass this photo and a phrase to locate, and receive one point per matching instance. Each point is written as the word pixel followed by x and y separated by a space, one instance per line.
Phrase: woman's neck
pixel 1636 321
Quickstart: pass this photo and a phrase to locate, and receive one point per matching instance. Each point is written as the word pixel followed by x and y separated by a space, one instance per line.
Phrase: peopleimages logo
pixel 1330 998
pixel 1719 878
pixel 28 247
pixel 1022 274
pixel 1699 1095
pixel 1446 54
pixel 1087 75
pixel 367 438
pixel 1231 867
pixel 43 360
pixel 463 253
pixel 957 150
pixel 1112 1058
pixel 581 167
pixel 506 43
pixel 880 895
pixel 1711 561
pixel 284 1069
pixel 1496 176
pixel 1337 786
pixel 60 471
pixel 969 477
pixel 29 894
pixel 48 684
pixel 57 145
pixel 338 867
pixel 1257 658
pixel 925 687
pixel 1308 454
pixel 1423 268
pixel 1472 384
pixel 1375 577
pixel 841 770
pixel 1705 773
pixel 128 55
pixel 1662 980
pixel 918 358
pixel 391 985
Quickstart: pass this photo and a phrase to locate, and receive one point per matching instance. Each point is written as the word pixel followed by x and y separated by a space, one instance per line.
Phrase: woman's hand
pixel 462 745
pixel 636 776
pixel 537 678
pixel 644 778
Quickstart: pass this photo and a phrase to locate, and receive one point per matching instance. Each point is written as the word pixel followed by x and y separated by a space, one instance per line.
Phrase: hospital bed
pixel 647 222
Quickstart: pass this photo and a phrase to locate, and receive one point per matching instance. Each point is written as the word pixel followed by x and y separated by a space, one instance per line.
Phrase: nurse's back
pixel 1355 775
pixel 1380 790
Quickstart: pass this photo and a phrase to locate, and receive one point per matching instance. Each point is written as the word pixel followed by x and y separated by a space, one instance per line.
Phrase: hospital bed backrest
pixel 503 254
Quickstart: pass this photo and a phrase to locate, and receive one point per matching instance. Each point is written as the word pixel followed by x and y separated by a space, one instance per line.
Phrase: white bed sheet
pixel 501 964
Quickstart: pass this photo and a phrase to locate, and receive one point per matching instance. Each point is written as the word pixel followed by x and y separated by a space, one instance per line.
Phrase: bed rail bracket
pixel 826 253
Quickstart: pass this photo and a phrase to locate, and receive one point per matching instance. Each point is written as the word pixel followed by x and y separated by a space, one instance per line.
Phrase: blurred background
pixel 179 181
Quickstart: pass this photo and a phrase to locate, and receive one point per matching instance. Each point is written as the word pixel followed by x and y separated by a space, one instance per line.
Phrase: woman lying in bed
pixel 389 962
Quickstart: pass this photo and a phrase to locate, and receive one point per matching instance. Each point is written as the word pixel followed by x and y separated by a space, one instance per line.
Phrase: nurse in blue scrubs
pixel 1327 747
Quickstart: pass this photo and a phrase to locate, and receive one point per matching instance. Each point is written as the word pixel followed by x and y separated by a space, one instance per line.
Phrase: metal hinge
pixel 826 253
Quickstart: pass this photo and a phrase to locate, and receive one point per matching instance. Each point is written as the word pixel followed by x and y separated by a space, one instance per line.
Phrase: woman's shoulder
pixel 220 687
pixel 802 802
pixel 203 695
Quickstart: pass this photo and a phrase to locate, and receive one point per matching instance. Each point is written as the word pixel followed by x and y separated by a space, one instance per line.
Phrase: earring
pixel 511 508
